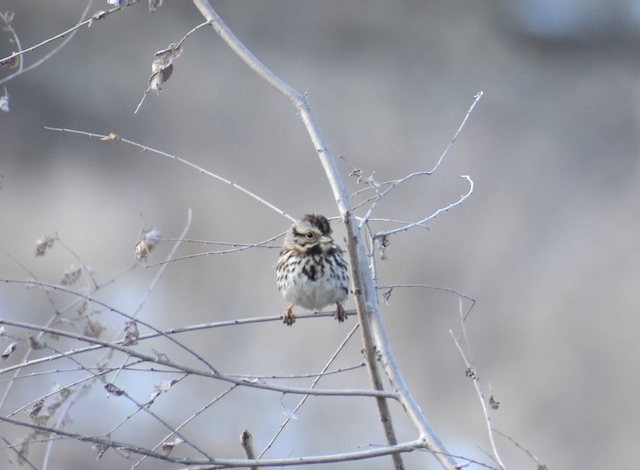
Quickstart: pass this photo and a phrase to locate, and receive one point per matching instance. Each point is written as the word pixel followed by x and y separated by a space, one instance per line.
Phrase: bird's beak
pixel 325 239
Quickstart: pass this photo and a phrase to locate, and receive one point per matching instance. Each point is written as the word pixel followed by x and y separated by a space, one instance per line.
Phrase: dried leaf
pixel 152 238
pixel 43 244
pixel 112 389
pixel 383 244
pixel 386 296
pixel 71 275
pixel 142 252
pixel 131 334
pixel 7 352
pixel 164 57
pixel 160 355
pixel 101 448
pixel 167 447
pixel 493 403
pixel 98 15
pixel 93 328
pixel 82 307
pixel 157 79
pixel 162 67
pixel 35 343
pixel 154 4
pixel 111 136
pixel 158 390
pixel 37 407
pixel 10 62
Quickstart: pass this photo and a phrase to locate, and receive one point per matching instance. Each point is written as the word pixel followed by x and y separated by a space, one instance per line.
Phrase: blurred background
pixel 547 244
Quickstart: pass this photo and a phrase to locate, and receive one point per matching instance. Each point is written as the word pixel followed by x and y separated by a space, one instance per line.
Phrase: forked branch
pixel 365 292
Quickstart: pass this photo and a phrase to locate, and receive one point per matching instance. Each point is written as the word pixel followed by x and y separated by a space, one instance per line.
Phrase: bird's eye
pixel 309 235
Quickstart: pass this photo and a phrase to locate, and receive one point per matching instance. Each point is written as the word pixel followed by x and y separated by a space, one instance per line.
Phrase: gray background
pixel 547 245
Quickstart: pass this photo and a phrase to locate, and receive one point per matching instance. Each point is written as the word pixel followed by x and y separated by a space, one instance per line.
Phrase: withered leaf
pixel 493 403
pixel 167 447
pixel 93 328
pixel 37 407
pixel 7 352
pixel 159 389
pixel 10 62
pixel 142 252
pixel 43 244
pixel 154 4
pixel 114 390
pixel 152 238
pixel 131 334
pixel 111 136
pixel 35 343
pixel 157 79
pixel 70 275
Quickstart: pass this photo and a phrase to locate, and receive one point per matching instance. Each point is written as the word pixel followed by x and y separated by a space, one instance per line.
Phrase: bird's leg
pixel 289 319
pixel 341 315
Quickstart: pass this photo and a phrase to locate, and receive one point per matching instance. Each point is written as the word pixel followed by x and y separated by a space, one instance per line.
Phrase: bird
pixel 312 272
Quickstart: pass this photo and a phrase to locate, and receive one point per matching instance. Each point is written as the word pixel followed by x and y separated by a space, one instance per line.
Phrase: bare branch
pixel 199 464
pixel 313 384
pixel 364 287
pixel 173 331
pixel 190 370
pixel 432 216
pixel 237 248
pixel 471 373
pixel 397 183
pixel 144 148
pixel 70 33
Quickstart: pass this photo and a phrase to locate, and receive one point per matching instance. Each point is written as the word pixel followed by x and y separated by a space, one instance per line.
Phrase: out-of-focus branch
pixel 69 33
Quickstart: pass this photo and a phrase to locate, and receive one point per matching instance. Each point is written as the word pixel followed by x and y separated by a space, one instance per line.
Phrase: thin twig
pixel 397 183
pixel 173 331
pixel 202 373
pixel 144 148
pixel 238 247
pixel 541 466
pixel 476 382
pixel 70 33
pixel 313 385
pixel 188 420
pixel 108 307
pixel 174 47
pixel 432 216
pixel 200 464
pixel 389 289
